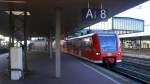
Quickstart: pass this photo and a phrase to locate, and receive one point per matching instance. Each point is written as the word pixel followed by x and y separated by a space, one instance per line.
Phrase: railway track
pixel 139 61
pixel 136 68
pixel 138 65
pixel 135 71
pixel 118 77
pixel 132 72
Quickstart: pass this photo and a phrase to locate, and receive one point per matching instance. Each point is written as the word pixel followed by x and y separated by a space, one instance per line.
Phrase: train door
pixel 87 44
pixel 96 54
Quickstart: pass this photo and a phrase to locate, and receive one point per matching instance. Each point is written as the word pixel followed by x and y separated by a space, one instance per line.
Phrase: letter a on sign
pixel 93 14
pixel 89 14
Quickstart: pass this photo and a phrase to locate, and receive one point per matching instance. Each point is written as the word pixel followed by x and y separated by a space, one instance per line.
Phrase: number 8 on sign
pixel 103 14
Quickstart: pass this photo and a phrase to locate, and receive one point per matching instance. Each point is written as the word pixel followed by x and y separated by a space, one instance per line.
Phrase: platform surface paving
pixel 42 71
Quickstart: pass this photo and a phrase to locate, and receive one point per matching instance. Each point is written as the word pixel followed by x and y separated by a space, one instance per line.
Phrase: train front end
pixel 110 48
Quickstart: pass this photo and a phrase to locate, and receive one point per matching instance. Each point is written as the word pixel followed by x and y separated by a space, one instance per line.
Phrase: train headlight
pixel 119 53
pixel 98 53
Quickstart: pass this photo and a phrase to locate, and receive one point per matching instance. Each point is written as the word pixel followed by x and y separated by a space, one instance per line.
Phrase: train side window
pixel 82 45
pixel 74 43
pixel 78 44
pixel 91 42
pixel 69 44
pixel 87 42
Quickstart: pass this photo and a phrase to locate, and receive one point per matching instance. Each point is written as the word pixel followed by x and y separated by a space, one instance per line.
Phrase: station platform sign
pixel 93 14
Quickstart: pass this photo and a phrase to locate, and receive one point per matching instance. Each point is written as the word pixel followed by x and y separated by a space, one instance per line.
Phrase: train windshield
pixel 108 43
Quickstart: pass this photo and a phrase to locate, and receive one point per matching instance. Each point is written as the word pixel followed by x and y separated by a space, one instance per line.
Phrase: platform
pixel 73 72
pixel 137 53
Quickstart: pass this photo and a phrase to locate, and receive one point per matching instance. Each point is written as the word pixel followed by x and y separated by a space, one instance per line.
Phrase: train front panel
pixel 109 48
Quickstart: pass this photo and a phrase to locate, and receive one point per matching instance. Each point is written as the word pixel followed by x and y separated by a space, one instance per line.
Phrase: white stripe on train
pixel 91 60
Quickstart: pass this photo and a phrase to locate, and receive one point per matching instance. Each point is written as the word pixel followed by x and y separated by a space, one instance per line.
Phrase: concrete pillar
pixel 57 38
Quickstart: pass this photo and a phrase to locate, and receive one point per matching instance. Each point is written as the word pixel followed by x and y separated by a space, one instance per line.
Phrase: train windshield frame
pixel 108 43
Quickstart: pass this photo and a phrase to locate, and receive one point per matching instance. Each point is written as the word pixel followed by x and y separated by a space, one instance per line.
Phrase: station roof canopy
pixel 41 18
pixel 142 35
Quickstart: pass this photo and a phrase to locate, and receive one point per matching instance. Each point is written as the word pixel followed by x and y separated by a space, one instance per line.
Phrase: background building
pixel 119 25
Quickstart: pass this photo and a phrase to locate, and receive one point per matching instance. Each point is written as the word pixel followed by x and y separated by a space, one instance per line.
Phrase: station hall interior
pixel 29 30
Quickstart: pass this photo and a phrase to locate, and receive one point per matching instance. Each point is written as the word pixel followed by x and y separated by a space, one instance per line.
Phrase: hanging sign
pixel 89 14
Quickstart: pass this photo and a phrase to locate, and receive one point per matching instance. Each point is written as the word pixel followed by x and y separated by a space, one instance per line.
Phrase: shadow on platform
pixel 42 71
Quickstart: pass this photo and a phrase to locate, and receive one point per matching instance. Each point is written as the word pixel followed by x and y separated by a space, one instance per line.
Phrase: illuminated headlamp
pixel 98 53
pixel 119 53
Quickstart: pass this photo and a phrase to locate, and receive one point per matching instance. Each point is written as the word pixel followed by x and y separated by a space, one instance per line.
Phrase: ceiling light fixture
pixel 18 12
pixel 17 2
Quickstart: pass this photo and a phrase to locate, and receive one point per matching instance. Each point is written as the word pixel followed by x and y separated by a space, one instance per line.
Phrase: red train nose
pixel 110 60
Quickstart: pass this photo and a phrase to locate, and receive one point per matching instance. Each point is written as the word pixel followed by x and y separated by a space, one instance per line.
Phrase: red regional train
pixel 104 47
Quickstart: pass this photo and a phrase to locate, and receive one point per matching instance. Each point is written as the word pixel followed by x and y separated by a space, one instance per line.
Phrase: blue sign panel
pixel 89 14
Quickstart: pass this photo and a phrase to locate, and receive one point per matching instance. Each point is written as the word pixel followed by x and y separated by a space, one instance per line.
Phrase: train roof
pixel 87 35
pixel 91 34
pixel 102 32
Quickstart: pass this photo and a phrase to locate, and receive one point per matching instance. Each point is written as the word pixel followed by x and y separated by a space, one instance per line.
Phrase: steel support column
pixel 10 39
pixel 48 45
pixel 25 42
pixel 57 38
pixel 140 43
pixel 51 55
pixel 12 28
